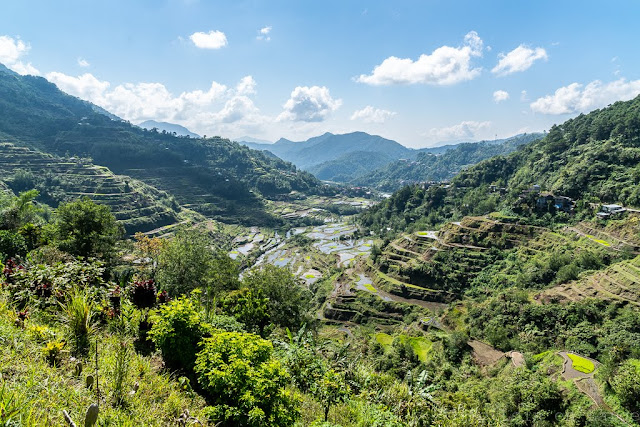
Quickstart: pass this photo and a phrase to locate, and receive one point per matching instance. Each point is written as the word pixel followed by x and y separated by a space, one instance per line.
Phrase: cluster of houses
pixel 545 200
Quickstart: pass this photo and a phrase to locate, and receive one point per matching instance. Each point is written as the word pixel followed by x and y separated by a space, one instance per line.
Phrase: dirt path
pixel 484 354
pixel 516 357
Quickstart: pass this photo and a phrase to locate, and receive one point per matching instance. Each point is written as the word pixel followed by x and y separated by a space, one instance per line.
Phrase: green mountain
pixel 216 177
pixel 139 207
pixel 329 147
pixel 438 167
pixel 350 165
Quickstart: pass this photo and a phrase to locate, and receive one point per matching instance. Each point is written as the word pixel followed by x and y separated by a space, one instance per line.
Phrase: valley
pixel 153 276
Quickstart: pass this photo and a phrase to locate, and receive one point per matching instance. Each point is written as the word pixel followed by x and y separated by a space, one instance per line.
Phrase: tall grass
pixel 120 372
pixel 77 316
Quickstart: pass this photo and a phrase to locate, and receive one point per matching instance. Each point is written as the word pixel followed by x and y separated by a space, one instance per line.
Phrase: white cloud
pixel 11 50
pixel 205 111
pixel 237 108
pixel 464 130
pixel 264 34
pixel 524 96
pixel 83 62
pixel 519 59
pixel 445 66
pixel 218 110
pixel 370 114
pixel 500 95
pixel 246 86
pixel 309 104
pixel 211 40
pixel 579 98
pixel 86 86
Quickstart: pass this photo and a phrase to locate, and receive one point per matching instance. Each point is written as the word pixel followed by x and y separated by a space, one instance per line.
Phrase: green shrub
pixel 12 245
pixel 626 384
pixel 244 382
pixel 178 327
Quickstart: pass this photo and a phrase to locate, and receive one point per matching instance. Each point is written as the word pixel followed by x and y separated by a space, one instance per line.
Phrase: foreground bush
pixel 177 330
pixel 244 382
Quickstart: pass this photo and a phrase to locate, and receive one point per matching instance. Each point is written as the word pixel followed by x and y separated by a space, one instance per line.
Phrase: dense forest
pixel 591 158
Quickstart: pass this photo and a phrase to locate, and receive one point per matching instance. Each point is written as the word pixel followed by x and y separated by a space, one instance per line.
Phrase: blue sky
pixel 419 72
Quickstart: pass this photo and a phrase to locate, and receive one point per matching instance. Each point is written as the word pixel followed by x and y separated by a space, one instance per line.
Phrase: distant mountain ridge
pixel 329 147
pixel 168 127
pixel 363 159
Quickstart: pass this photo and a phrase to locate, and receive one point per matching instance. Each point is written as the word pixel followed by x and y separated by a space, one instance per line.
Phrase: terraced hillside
pixel 435 266
pixel 215 176
pixel 138 206
pixel 618 282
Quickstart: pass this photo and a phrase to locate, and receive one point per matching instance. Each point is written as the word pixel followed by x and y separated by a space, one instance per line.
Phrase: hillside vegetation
pixel 428 166
pixel 213 176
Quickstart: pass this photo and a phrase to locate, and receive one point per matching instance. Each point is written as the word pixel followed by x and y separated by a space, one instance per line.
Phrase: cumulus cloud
pixel 519 59
pixel 83 62
pixel 370 114
pixel 11 52
pixel 576 97
pixel 500 95
pixel 212 40
pixel 309 104
pixel 264 34
pixel 246 86
pixel 237 108
pixel 216 110
pixel 463 130
pixel 444 66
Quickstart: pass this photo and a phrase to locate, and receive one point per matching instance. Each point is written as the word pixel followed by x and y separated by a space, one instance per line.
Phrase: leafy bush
pixel 177 330
pixel 250 307
pixel 626 384
pixel 288 301
pixel 86 229
pixel 184 263
pixel 12 245
pixel 244 382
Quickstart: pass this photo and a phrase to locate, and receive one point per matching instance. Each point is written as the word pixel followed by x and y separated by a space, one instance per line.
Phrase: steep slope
pixel 431 167
pixel 596 155
pixel 215 176
pixel 138 206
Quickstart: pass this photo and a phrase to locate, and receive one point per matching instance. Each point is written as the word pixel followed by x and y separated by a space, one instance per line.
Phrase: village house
pixel 607 211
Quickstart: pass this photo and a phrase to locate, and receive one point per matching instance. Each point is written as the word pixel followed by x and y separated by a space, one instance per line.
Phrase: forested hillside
pixel 591 158
pixel 431 167
pixel 213 176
